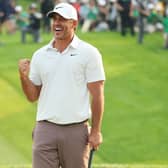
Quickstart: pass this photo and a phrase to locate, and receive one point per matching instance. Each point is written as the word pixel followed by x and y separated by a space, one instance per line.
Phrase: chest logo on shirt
pixel 72 55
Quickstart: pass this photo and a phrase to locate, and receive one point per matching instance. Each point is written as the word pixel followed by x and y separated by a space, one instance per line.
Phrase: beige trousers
pixel 56 146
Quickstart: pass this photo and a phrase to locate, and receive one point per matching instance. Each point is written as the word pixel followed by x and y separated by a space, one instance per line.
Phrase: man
pixel 62 76
pixel 21 17
pixel 45 7
pixel 33 27
pixel 143 12
pixel 125 9
pixel 6 11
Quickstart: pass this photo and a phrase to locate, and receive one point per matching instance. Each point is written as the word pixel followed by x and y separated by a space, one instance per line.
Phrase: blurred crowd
pixel 137 16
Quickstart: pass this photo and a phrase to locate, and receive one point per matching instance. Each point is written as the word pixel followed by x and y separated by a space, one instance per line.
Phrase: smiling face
pixel 62 28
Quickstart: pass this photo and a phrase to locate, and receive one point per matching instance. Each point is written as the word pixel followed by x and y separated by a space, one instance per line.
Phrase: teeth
pixel 58 29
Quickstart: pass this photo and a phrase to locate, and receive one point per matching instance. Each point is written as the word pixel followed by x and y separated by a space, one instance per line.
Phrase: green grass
pixel 100 166
pixel 135 119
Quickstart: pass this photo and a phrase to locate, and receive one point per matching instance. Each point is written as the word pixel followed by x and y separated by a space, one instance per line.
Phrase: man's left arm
pixel 96 90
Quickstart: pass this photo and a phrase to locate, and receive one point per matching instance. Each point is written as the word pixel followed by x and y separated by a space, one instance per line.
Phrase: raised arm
pixel 31 91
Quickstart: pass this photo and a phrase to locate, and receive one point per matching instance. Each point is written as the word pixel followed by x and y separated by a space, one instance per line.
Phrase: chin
pixel 59 37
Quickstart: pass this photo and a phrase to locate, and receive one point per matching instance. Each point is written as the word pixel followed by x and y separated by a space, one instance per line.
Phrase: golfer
pixel 65 76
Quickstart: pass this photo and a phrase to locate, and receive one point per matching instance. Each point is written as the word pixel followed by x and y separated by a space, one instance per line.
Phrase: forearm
pixel 144 12
pixel 97 108
pixel 119 7
pixel 30 90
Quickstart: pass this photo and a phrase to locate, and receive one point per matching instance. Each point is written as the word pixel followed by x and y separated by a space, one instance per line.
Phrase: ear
pixel 75 24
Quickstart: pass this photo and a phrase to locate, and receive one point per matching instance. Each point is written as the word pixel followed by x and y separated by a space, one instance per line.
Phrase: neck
pixel 62 44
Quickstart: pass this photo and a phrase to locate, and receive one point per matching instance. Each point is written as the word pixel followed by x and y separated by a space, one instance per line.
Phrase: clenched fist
pixel 95 139
pixel 24 67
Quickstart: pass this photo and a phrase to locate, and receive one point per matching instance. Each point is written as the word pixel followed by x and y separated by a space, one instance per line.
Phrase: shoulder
pixel 87 47
pixel 89 52
pixel 39 52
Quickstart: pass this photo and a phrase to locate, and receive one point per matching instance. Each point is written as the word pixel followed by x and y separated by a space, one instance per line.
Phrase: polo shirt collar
pixel 74 43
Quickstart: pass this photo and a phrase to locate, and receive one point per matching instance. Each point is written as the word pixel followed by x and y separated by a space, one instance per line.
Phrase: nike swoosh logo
pixel 59 7
pixel 72 55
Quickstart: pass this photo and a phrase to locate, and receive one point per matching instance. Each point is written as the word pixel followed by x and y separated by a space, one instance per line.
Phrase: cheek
pixel 51 23
pixel 52 26
pixel 71 27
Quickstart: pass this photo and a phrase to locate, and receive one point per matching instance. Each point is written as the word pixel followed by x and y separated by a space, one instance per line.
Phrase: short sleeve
pixel 94 69
pixel 34 74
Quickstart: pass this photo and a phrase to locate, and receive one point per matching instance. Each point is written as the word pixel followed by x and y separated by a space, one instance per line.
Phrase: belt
pixel 68 124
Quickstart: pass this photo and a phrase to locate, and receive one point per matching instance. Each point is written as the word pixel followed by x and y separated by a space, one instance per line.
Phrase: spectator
pixel 6 11
pixel 76 5
pixel 160 12
pixel 142 13
pixel 91 18
pixel 151 19
pixel 83 12
pixel 102 16
pixel 165 26
pixel 125 9
pixel 112 15
pixel 21 17
pixel 45 6
pixel 34 24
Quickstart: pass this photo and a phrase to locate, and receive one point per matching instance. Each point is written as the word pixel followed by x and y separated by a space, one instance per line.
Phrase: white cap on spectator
pixel 150 6
pixel 72 1
pixel 33 6
pixel 66 10
pixel 18 8
pixel 101 2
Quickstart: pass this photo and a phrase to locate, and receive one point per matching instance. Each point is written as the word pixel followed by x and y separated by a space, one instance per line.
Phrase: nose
pixel 56 21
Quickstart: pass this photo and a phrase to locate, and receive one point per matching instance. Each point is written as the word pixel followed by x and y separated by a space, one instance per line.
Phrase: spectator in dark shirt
pixel 45 7
pixel 34 24
pixel 125 9
pixel 7 9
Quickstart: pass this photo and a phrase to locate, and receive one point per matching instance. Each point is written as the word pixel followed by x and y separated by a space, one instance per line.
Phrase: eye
pixel 62 19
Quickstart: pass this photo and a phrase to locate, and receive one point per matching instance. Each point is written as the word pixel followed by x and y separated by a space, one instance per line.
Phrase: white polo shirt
pixel 64 97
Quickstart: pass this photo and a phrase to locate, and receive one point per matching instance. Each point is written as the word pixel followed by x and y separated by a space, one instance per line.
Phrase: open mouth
pixel 58 29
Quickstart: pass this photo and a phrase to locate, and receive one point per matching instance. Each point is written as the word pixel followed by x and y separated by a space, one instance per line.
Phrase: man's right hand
pixel 31 91
pixel 24 67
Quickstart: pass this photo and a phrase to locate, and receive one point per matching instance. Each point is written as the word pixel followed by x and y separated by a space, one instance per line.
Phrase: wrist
pixel 95 130
pixel 24 77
